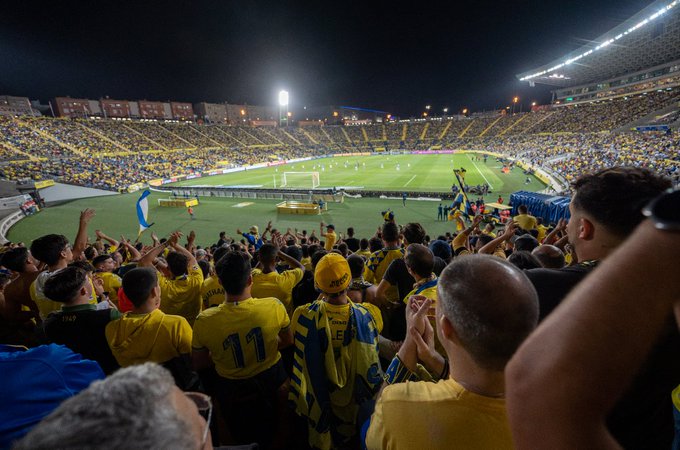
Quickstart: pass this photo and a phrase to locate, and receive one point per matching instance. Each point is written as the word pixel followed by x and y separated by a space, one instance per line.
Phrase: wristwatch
pixel 664 211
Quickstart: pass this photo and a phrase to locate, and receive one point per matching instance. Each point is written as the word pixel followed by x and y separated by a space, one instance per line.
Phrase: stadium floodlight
pixel 427 107
pixel 606 43
pixel 283 98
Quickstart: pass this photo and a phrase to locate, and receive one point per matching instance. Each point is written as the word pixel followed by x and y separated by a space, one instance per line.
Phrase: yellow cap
pixel 332 274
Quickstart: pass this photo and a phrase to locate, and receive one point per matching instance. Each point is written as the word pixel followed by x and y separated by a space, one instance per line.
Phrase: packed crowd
pixel 116 154
pixel 323 339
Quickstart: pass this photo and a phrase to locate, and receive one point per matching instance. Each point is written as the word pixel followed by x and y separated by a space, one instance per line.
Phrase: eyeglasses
pixel 205 408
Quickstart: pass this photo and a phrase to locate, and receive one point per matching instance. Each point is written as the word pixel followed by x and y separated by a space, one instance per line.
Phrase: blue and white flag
pixel 143 212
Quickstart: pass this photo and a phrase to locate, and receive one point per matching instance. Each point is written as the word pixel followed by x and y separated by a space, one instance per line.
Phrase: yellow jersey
pixel 277 285
pixel 378 263
pixel 112 283
pixel 330 239
pixel 181 296
pixel 242 337
pixel 525 221
pixel 45 305
pixel 153 337
pixel 454 415
pixel 212 292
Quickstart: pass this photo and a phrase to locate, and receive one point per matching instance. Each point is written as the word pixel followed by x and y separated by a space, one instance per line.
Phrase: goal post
pixel 300 179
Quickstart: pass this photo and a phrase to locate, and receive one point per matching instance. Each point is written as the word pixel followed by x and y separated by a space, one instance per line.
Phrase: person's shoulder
pixel 417 391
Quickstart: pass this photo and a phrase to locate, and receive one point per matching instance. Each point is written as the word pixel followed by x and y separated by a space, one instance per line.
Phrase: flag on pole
pixel 143 212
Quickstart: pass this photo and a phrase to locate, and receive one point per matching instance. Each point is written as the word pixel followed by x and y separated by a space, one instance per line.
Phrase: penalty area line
pixel 409 181
pixel 480 172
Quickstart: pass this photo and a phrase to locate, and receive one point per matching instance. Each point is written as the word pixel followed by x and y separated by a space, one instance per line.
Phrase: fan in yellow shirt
pixel 524 220
pixel 330 236
pixel 267 282
pixel 181 279
pixel 104 264
pixel 146 334
pixel 242 337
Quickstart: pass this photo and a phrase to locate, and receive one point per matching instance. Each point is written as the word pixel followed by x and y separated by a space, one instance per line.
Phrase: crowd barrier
pixel 549 207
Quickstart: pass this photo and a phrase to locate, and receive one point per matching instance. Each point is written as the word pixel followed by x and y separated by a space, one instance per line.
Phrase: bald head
pixel 491 305
pixel 549 256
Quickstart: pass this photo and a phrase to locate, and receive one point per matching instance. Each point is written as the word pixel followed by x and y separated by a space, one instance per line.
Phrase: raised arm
pixel 570 372
pixel 509 232
pixel 460 241
pixel 80 242
pixel 292 262
pixel 554 235
pixel 178 248
pixel 147 259
pixel 112 242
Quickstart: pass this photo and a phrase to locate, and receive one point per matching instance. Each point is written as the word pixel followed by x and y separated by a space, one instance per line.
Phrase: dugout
pixel 549 207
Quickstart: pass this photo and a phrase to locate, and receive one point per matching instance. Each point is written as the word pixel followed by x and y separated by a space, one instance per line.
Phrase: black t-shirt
pixel 352 243
pixel 643 416
pixel 81 329
pixel 394 319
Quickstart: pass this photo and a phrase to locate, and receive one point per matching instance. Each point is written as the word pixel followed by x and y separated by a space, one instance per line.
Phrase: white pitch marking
pixel 409 181
pixel 480 172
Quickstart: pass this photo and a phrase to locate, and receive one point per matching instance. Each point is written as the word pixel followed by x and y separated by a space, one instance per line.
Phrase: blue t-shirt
pixel 34 382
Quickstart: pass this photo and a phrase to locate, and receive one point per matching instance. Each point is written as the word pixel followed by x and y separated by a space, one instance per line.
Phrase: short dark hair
pixel 363 244
pixel 267 253
pixel 350 231
pixel 15 259
pixel 522 209
pixel 390 232
pixel 356 265
pixel 491 304
pixel 219 253
pixel 615 196
pixel 177 263
pixel 294 252
pixel 63 285
pixel 524 260
pixel 48 248
pixel 233 271
pixel 317 255
pixel 374 244
pixel 89 252
pixel 101 259
pixel 414 233
pixel 205 267
pixel 419 259
pixel 86 266
pixel 484 239
pixel 138 284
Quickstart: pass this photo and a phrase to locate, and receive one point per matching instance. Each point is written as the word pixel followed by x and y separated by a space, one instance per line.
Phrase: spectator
pixel 350 362
pixel 19 312
pixel 351 241
pixel 267 282
pixel 105 265
pixel 549 256
pixel 55 252
pixel 524 220
pixel 33 382
pixel 136 408
pixel 605 209
pixel 180 280
pixel 79 325
pixel 242 337
pixel 147 334
pixel 601 338
pixel 486 308
pixel 330 235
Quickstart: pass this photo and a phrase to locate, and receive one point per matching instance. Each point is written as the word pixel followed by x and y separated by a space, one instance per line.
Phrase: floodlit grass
pixel 116 215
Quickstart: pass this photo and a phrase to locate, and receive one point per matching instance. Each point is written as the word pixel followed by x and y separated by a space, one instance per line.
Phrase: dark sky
pixel 391 56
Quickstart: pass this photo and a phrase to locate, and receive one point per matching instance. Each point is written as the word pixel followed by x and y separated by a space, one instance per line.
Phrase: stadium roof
pixel 649 38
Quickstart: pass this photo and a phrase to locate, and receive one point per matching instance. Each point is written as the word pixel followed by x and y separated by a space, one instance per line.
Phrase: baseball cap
pixel 254 229
pixel 332 274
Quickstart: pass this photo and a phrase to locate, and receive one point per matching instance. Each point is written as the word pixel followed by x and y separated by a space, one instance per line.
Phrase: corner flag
pixel 143 212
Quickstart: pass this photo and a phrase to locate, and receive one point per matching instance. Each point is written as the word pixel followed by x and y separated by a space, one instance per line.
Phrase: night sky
pixel 391 56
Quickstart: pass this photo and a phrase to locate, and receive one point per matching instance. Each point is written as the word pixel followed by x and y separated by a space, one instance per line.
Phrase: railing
pixel 7 223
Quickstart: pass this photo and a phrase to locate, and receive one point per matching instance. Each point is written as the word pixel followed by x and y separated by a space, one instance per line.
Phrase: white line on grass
pixel 480 172
pixel 407 183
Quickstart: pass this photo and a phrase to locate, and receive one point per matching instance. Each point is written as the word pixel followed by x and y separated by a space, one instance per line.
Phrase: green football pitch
pixel 116 214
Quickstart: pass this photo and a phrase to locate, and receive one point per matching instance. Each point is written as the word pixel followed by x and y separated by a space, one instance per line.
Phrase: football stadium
pixel 299 275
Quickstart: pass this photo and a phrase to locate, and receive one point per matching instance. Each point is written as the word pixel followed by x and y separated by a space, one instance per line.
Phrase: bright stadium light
pixel 606 43
pixel 283 98
pixel 428 107
pixel 283 103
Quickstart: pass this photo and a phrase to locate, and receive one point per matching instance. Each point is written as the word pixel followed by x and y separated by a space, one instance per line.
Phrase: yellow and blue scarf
pixel 326 390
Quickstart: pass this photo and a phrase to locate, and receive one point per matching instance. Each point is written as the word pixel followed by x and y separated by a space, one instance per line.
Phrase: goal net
pixel 300 179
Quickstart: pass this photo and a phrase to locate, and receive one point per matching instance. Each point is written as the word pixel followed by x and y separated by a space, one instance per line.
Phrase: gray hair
pixel 132 409
pixel 491 304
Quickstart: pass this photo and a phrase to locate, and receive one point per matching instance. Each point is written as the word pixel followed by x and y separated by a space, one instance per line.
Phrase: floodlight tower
pixel 283 102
